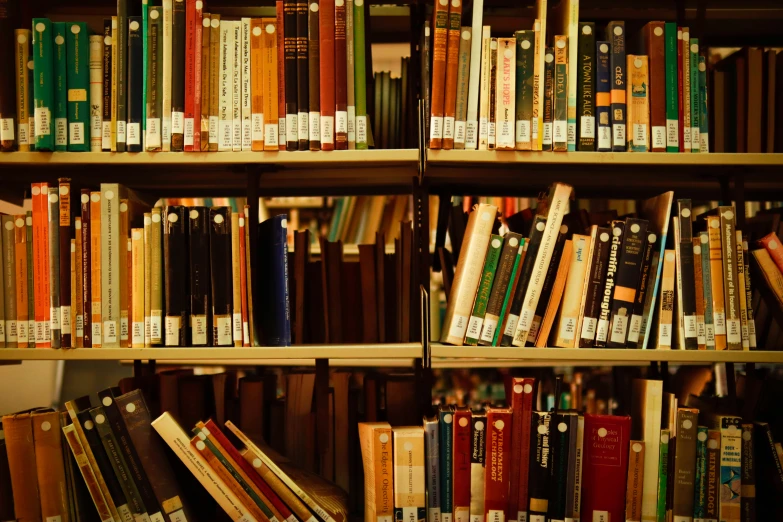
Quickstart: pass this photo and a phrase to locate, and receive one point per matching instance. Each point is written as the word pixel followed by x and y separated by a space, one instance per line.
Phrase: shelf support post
pixel 253 181
pixel 322 403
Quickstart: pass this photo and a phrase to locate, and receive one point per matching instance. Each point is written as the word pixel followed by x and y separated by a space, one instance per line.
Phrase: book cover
pixel 350 51
pixel 717 281
pixel 432 463
pixel 701 330
pixel 741 291
pixel 706 285
pixel 60 108
pixel 409 485
pixel 22 272
pixel 215 78
pixel 477 466
pixel 199 287
pixel 485 287
pixel 273 260
pixel 637 98
pixel 79 454
pixel 22 79
pixel 8 269
pixel 548 114
pixel 655 41
pixel 603 101
pixel 704 111
pixel 500 284
pixel 220 275
pixel 554 285
pixel 154 107
pixel 672 98
pixel 53 238
pixel 485 88
pixel 106 91
pixel 560 473
pixel 460 477
pixel 63 236
pixel 326 36
pixel 269 80
pixel 505 95
pixel 648 264
pixel 730 467
pixel 157 334
pixel 615 33
pixel 167 73
pixel 585 93
pixel 52 489
pixel 137 285
pixel 594 284
pixel 235 81
pixel 540 455
pixel 700 481
pixel 498 453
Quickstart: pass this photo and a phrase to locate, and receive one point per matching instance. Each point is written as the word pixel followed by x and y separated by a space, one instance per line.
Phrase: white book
pixel 96 92
pixel 486 71
pixel 225 102
pixel 247 111
pixel 568 317
pixel 168 30
pixel 505 94
pixel 561 194
pixel 471 134
pixel 110 264
pixel 538 76
pixel 646 405
pixel 235 51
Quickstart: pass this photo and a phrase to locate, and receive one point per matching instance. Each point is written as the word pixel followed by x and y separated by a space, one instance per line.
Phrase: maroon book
pixel 521 391
pixel 460 475
pixel 496 477
pixel 605 465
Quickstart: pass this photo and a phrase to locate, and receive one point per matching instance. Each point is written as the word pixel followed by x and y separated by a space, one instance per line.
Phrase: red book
pixel 440 29
pixel 498 454
pixel 190 71
pixel 605 466
pixel 326 54
pixel 280 76
pixel 197 64
pixel 521 392
pixel 772 243
pixel 40 200
pixel 679 89
pixel 461 465
pixel 340 78
pixel 232 452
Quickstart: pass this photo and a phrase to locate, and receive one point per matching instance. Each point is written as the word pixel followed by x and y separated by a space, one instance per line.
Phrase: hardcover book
pixel 649 263
pixel 672 98
pixel 638 100
pixel 220 275
pixel 635 483
pixel 60 107
pixel 273 260
pixel 500 285
pixel 560 97
pixel 452 68
pixel 646 405
pixel 605 314
pixel 567 324
pixel 615 33
pixel 485 287
pixel 504 94
pixel 445 459
pixel 477 466
pixel 43 84
pixel 685 462
pixel 440 26
pixel 605 461
pixel 603 102
pixel 731 286
pixel 498 453
pixel 432 462
pixel 626 281
pixel 585 95
pixel 409 485
pixel 463 74
pixel 525 65
pixel 540 455
pixel 460 476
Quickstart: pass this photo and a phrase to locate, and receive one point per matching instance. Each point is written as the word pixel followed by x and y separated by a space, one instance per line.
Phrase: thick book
pixel 585 94
pixel 154 106
pixel 522 391
pixel 60 107
pixel 440 30
pixel 523 104
pixel 376 445
pixel 638 103
pixel 220 275
pixel 460 476
pixel 134 137
pixel 605 460
pixel 615 33
pixel 43 83
pixel 604 317
pixel 731 286
pixel 654 44
pixel 672 98
pixel 646 405
pixel 478 314
pixel 594 284
pixel 504 94
pixel 484 96
pixel 468 273
pixel 22 465
pixel 445 458
pixel 730 466
pixel 626 280
pixel 175 253
pixel 603 101
pixel 567 327
pixel 326 36
pixel 561 439
pixel 409 485
pixel 498 453
pixel 685 462
pixel 500 284
pixel 560 96
pixel 540 455
pixel 477 465
pixel 275 303
pixel 269 80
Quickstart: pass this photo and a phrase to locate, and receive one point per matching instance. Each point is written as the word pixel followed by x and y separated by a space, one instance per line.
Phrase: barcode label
pixel 659 137
pixel 61 131
pixel 619 328
pixel 523 131
pixel 315 126
pixel 172 330
pixel 587 130
pixel 436 128
pixel 588 328
pixel 448 128
pixel 459 325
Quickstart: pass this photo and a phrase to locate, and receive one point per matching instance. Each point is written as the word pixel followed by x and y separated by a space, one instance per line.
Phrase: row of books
pixel 174 77
pixel 514 463
pixel 111 459
pixel 118 274
pixel 556 86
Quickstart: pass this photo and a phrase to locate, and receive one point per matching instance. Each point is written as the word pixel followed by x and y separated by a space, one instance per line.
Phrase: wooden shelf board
pixel 400 362
pixel 369 352
pixel 469 355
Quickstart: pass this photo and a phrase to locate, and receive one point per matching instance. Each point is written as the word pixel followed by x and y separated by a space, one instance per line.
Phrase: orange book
pixel 716 275
pixel 52 488
pixel 95 253
pixel 40 192
pixel 20 253
pixel 22 467
pixel 440 25
pixel 243 280
pixel 256 83
pixel 772 243
pixel 78 287
pixel 452 66
pixel 269 81
pixel 124 274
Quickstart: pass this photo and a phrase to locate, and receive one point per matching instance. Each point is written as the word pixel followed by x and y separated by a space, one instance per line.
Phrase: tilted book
pixel 648 264
pixel 629 264
pixel 566 329
pixel 485 287
pixel 605 315
pixel 500 282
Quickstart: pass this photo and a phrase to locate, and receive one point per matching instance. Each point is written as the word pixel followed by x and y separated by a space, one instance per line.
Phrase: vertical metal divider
pixel 253 172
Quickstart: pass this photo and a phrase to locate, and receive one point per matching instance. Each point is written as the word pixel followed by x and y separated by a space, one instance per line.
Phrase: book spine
pixel 709 324
pixel 110 248
pixel 203 67
pixel 663 475
pixel 461 465
pixel 192 78
pixel 655 49
pixel 199 288
pixel 585 96
pixel 731 287
pixel 440 30
pixel 113 83
pixel 704 115
pixel 445 459
pixel 484 97
pixel 525 58
pixel 148 246
pixel 730 467
pixel 559 470
pixel 638 103
pixel 302 73
pixel 477 466
pixel 540 455
pixel 548 110
pixel 96 91
pixel 685 88
pixel 713 474
pixel 500 283
pixel 257 99
pixel 226 122
pixel 60 107
pixel 154 107
pixel 137 285
pixel 716 278
pixel 350 51
pixel 595 283
pixel 666 303
pixel 8 22
pixel 134 137
pixel 539 26
pixel 220 263
pixel 672 99
pixel 215 82
pixel 246 92
pixel 748 496
pixel 53 237
pixel 741 292
pixel 281 74
pixel 685 463
pixel 504 95
pixel 326 36
pixel 63 237
pixel 560 98
pixel 567 324
pixel 174 245
pixel 700 480
pixel 24 339
pixel 693 48
pixel 510 291
pixel 492 115
pixel 686 276
pixel 432 463
pixel 485 287
pixel 22 48
pixel 463 78
pixel 360 76
pixel 522 392
pixel 157 334
pixel 314 77
pixel 340 78
pixel 9 312
pixel 603 100
pixel 269 81
pixel 615 249
pixel 472 124
pixel 121 77
pixel 451 52
pixel 96 268
pixel 44 83
pixel 168 72
pixel 87 474
pixel 637 319
pixel 701 328
pixel 144 69
pixel 635 484
pixel 498 449
pixel 291 93
pixel 243 266
pixel 235 277
pixel 616 33
pixel 749 295
pixel 235 81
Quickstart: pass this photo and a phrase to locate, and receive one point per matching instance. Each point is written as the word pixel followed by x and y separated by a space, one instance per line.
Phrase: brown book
pixel 281 109
pixel 380 279
pixel 770 94
pixel 9 20
pixel 251 406
pixel 18 429
pixel 440 25
pixel 326 47
pixel 755 132
pixel 214 82
pixel 452 69
pixel 22 298
pixel 701 329
pixel 654 48
pixel 203 117
pixel 369 294
pixel 6 490
pixel 65 262
pixel 685 462
pixel 716 276
pixel 49 463
pixel 555 296
pixel 77 290
pixel 635 483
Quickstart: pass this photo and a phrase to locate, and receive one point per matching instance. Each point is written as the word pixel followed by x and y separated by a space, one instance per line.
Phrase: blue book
pixel 274 307
pixel 603 96
pixel 615 33
pixel 446 451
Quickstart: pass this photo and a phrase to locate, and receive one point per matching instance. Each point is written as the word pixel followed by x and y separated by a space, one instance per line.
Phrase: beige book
pixel 95 261
pixel 666 304
pixel 538 74
pixel 646 407
pixel 573 296
pixel 505 97
pixel 9 281
pixel 124 241
pixel 468 273
pixel 638 101
pixel 588 270
pixel 555 297
pixel 635 482
pixel 770 271
pixel 77 286
pixel 409 483
pixel 156 277
pixel 743 300
pixel 147 278
pixel 113 84
pixel 237 285
pixel 137 282
pixel 246 106
pixel 179 442
pixel 89 462
pixel 168 30
pixel 375 439
pixel 486 71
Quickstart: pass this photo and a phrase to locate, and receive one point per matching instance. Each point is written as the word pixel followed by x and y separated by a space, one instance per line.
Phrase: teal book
pixel 446 450
pixel 663 476
pixel 60 87
pixel 672 101
pixel 695 103
pixel 43 83
pixel 700 480
pixel 485 287
pixel 509 292
pixel 704 117
pixel 78 43
pixel 706 277
pixel 144 15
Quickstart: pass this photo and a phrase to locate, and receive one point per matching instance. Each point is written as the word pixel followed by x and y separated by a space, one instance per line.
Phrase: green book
pixel 60 87
pixel 156 277
pixel 43 83
pixel 672 101
pixel 695 104
pixel 485 287
pixel 360 77
pixel 524 89
pixel 144 15
pixel 706 277
pixel 700 480
pixel 704 120
pixel 78 43
pixel 663 472
pixel 446 450
pixel 509 297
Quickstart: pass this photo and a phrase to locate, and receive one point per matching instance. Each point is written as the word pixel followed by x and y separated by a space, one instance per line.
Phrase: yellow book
pixel 375 439
pixel 716 275
pixel 638 100
pixel 409 483
pixel 138 288
pixel 574 290
pixel 237 284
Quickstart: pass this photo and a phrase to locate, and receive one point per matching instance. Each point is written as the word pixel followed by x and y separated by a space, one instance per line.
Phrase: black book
pixel 121 115
pixel 534 241
pixel 615 33
pixel 645 280
pixel 220 272
pixel 106 109
pixel 9 20
pixel 135 84
pixel 302 73
pixel 178 77
pixel 175 256
pixel 605 314
pixel 273 295
pixel 559 448
pixel 314 76
pixel 595 285
pixel 200 287
pixel 104 465
pixel 769 471
pixel 499 286
pixel 686 286
pixel 426 62
pixel 549 91
pixel 748 478
pixel 629 266
pixel 585 94
pixel 291 85
pixel 540 461
pixel 549 282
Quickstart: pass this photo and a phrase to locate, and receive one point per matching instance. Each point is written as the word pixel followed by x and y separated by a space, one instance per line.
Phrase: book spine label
pixel 351 75
pixel 635 327
pixel 471 123
pixel 567 328
pixel 539 26
pixel 700 481
pixel 672 100
pixel 709 325
pixel 616 30
pixel 547 112
pixel 663 475
pixel 603 101
pixel 749 295
pixel 492 115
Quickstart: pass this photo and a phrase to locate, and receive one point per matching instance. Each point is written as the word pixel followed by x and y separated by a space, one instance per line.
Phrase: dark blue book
pixel 275 312
pixel 603 96
pixel 220 272
pixel 200 287
pixel 615 33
